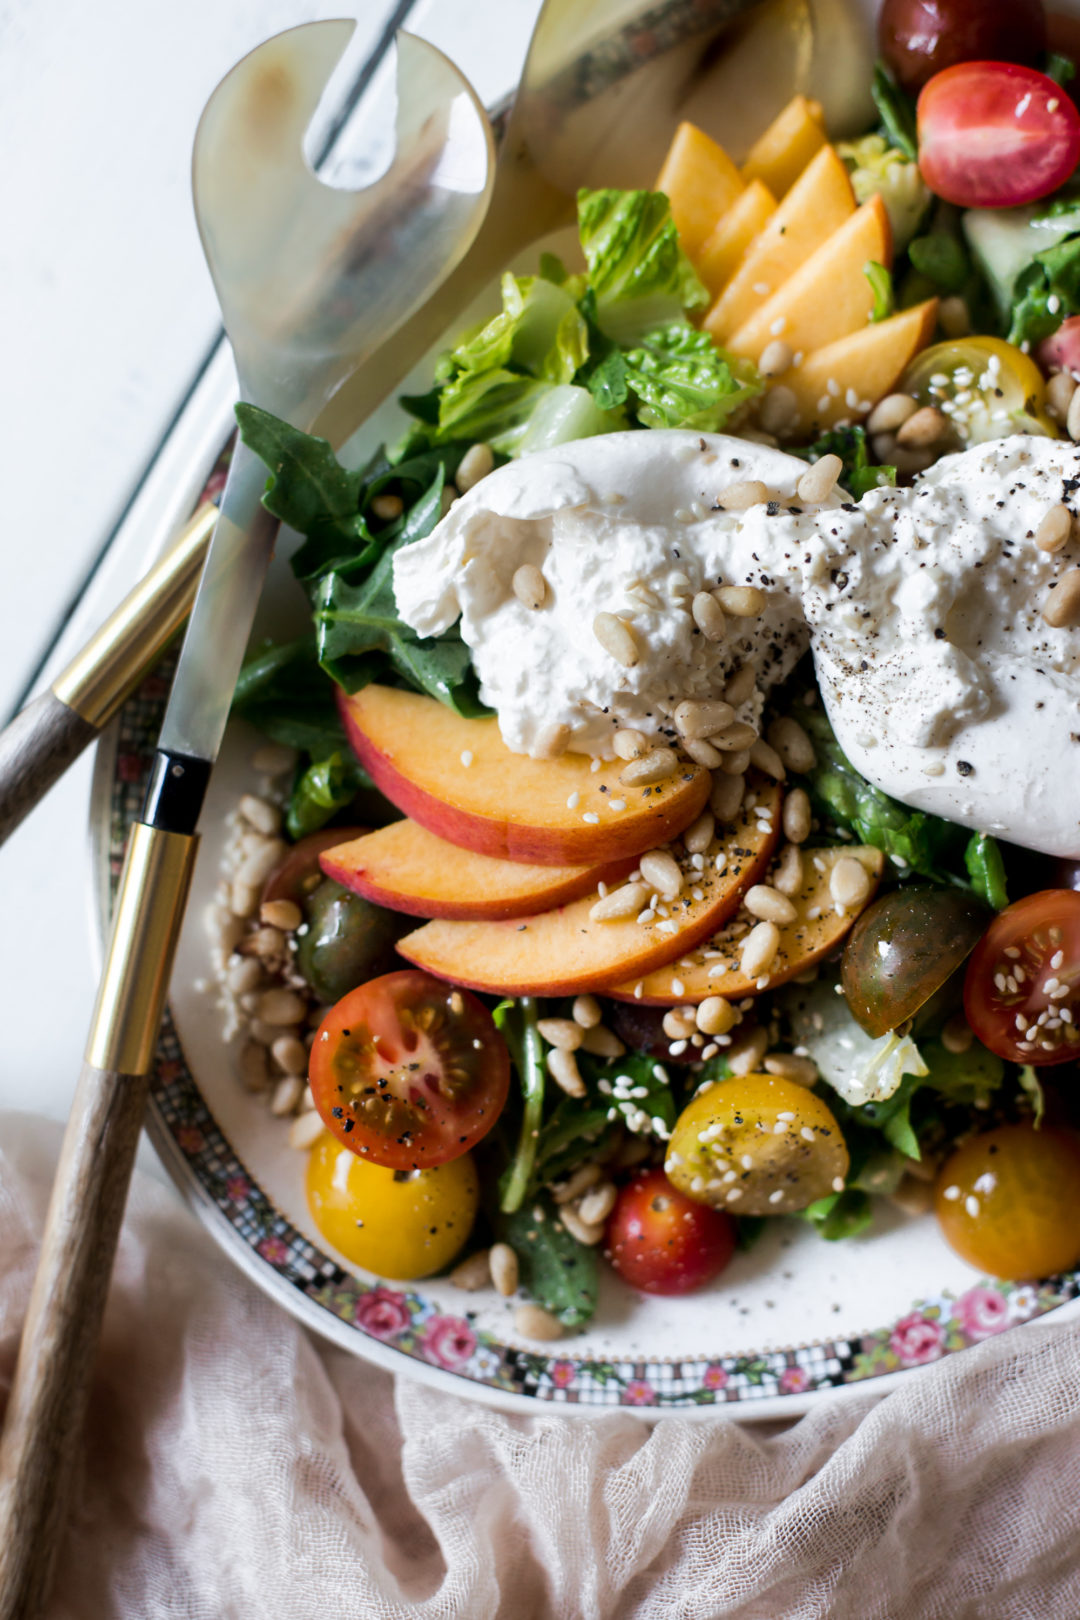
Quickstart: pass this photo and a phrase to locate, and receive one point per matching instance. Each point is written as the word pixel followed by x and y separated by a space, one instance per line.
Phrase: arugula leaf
pixel 308 488
pixel 940 256
pixel 897 112
pixel 986 869
pixel 857 476
pixel 283 692
pixel 968 1079
pixel 680 379
pixel 881 284
pixel 326 787
pixel 637 268
pixel 840 1215
pixel 1051 275
pixel 517 1022
pixel 560 1273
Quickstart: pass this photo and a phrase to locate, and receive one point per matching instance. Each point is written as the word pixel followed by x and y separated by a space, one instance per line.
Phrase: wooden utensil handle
pixel 48 1398
pixel 36 749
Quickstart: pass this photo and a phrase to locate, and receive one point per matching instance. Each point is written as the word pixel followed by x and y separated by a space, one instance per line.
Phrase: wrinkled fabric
pixel 234 1466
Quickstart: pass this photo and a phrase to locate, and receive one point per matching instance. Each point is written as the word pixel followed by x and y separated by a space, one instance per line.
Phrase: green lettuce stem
pixel 530 1064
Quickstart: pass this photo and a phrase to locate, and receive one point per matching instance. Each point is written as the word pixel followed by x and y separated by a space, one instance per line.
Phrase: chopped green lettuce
pixel 881 285
pixel 679 379
pixel 879 169
pixel 637 269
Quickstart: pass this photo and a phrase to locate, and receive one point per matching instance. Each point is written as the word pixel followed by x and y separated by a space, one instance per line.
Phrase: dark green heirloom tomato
pixel 348 941
pixel 904 947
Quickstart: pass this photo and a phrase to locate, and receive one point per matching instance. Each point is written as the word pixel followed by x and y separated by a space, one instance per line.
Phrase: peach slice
pixel 407 868
pixel 458 779
pixel 817 204
pixel 781 154
pixel 865 366
pixel 701 183
pixel 829 295
pixel 714 970
pixel 722 250
pixel 563 952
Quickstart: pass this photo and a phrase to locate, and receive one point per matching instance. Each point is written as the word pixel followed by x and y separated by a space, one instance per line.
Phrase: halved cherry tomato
pixel 988 389
pixel 1022 989
pixel 661 1242
pixel 409 1072
pixel 995 134
pixel 1008 1201
pixel 1061 350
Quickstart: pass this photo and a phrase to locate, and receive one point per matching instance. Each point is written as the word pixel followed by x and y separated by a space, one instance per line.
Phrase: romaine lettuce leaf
pixel 637 269
pixel 680 379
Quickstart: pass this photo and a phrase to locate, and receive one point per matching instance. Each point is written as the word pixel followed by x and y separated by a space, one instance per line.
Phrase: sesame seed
pixel 806 1133
pixel 971 1206
pixel 591 817
pixel 777 1196
pixel 952 1194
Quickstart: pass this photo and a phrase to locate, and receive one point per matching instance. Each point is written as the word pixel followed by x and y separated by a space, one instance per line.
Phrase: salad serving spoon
pixel 309 279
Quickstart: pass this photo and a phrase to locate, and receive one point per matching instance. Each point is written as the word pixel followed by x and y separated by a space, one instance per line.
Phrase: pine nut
pixel 266 943
pixel 796 816
pixel 764 756
pixel 533 1322
pixel 503 1264
pixel 244 898
pixel 602 1042
pixel 699 835
pixel 818 483
pixel 1054 530
pixel 776 358
pixel 474 1273
pixel 1059 393
pixel 260 814
pixel 305 1131
pixel 286 1096
pixel 551 741
pixel 616 638
pixel 779 410
pixel 912 1196
pixel 562 1066
pixel 746 1055
pixel 283 914
pixel 792 744
pixel 708 615
pixel 227 931
pixel 759 949
pixel 265 1034
pixel 740 497
pixel 586 1011
pixel 661 872
pixel 475 464
pixel 273 759
pixel 1062 608
pixel 279 1006
pixel 630 744
pixel 954 317
pixel 803 1070
pixel 740 686
pixel 891 413
pixel 734 738
pixel 701 719
pixel 290 1054
pixel 257 867
pixel 584 1177
pixel 243 975
pixel 925 428
pixel 727 796
pixel 849 883
pixel 741 601
pixel 307 1100
pixel 787 876
pixel 387 507
pixel 530 586
pixel 679 1023
pixel 715 1016
pixel 597 1205
pixel 653 767
pixel 620 903
pixel 1072 419
pixel 583 1231
pixel 702 752
pixel 763 901
pixel 957 1035
pixel 253 1066
pixel 560 1032
pixel 736 764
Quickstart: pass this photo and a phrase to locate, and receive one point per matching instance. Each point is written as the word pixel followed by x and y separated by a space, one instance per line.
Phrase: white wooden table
pixel 106 322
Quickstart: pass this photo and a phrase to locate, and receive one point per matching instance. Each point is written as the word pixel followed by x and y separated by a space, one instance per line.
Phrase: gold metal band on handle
pixel 110 666
pixel 146 925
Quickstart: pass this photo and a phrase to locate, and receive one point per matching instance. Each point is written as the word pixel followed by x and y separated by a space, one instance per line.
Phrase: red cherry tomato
pixel 1061 351
pixel 1022 990
pixel 992 135
pixel 919 38
pixel 409 1072
pixel 661 1242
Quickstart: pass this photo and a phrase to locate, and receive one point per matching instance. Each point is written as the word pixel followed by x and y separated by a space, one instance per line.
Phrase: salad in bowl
pixel 672 820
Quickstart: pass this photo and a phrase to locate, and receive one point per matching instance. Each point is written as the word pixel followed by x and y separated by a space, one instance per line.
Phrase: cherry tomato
pixel 661 1242
pixel 641 1028
pixel 397 1223
pixel 1022 990
pixel 409 1072
pixel 1061 350
pixel 300 874
pixel 993 135
pixel 903 948
pixel 1009 1201
pixel 1001 390
pixel 918 38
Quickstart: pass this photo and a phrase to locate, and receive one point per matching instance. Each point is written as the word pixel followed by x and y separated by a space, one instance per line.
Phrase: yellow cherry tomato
pixel 757 1145
pixel 986 387
pixel 398 1223
pixel 1008 1201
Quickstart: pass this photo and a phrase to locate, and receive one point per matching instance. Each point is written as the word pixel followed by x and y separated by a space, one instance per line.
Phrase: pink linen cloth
pixel 234 1466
